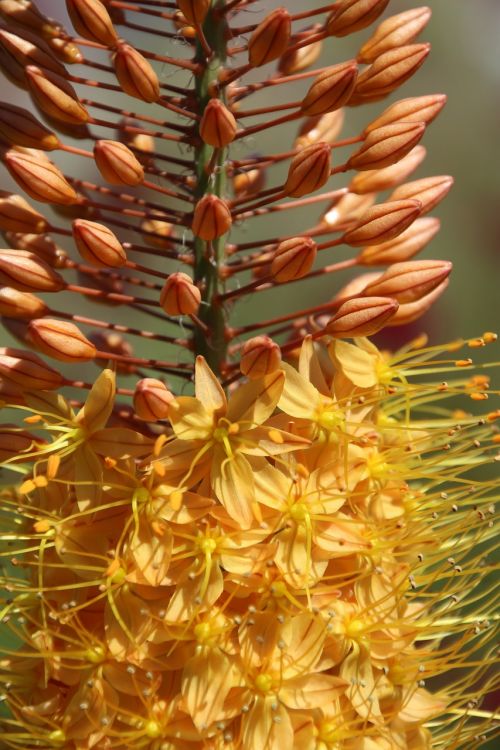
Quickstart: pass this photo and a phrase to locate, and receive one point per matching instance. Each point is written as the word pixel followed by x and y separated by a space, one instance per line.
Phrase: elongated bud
pixel 409 281
pixel 395 31
pixel 117 163
pixel 27 371
pixel 293 259
pixel 412 311
pixel 194 11
pixel 218 126
pixel 349 209
pixel 361 317
pixel 429 191
pixel 152 399
pixel 23 12
pixel 180 295
pixel 299 59
pixel 21 305
pixel 135 75
pixel 383 222
pixel 387 145
pixel 376 180
pixel 38 177
pixel 55 96
pixel 270 39
pixel 249 181
pixel 331 89
pixel 92 21
pixel 98 245
pixel 414 109
pixel 352 15
pixel 389 71
pixel 61 340
pixel 16 215
pixel 19 128
pixel 27 273
pixel 141 142
pixel 41 245
pixel 403 247
pixel 14 442
pixel 309 170
pixel 324 128
pixel 24 49
pixel 211 218
pixel 259 356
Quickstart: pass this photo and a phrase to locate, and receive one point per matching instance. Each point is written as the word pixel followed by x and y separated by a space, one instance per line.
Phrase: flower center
pixel 264 682
pixel 202 632
pixel 207 545
pixel 330 418
pixel 299 511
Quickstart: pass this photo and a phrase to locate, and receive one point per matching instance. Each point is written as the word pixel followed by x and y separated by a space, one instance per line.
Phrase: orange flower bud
pixel 293 259
pixel 92 21
pixel 135 75
pixel 117 163
pixel 349 209
pixel 211 218
pixel 157 233
pixel 98 245
pixel 387 145
pixel 19 128
pixel 404 246
pixel 41 245
pixel 415 109
pixel 383 222
pixel 352 15
pixel 331 89
pixel 259 356
pixel 16 215
pixel 27 371
pixel 299 59
pixel 55 96
pixel 324 128
pixel 218 126
pixel 395 31
pixel 412 311
pixel 361 317
pixel 375 180
pixel 23 12
pixel 24 48
pixel 21 305
pixel 194 11
pixel 41 179
pixel 27 273
pixel 429 191
pixel 61 340
pixel 309 170
pixel 180 295
pixel 14 442
pixel 152 399
pixel 249 181
pixel 270 38
pixel 389 71
pixel 411 280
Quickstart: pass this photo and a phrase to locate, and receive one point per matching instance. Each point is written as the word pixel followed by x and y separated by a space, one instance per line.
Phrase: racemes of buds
pixel 60 340
pixel 117 163
pixel 98 245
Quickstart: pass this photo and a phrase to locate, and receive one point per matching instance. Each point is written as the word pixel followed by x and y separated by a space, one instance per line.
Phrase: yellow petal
pixel 267 729
pixel 304 636
pixel 206 681
pixel 208 389
pixel 299 397
pixel 120 442
pixel 254 402
pixel 311 691
pixel 150 554
pixel 232 482
pixel 190 419
pixel 310 368
pixel 88 477
pixel 356 364
pixel 420 706
pixel 99 403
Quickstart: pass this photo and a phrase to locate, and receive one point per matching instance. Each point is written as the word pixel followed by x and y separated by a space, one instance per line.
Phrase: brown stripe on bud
pixel 331 89
pixel 27 273
pixel 117 164
pixel 92 21
pixel 135 74
pixel 414 109
pixel 180 295
pixel 218 126
pixel 383 222
pixel 293 259
pixel 24 48
pixel 395 31
pixel 61 340
pixel 194 11
pixel 412 311
pixel 375 180
pixel 41 245
pixel 260 356
pixel 299 59
pixel 387 145
pixel 21 305
pixel 353 15
pixel 309 170
pixel 403 247
pixel 411 280
pixel 55 96
pixel 361 317
pixel 27 371
pixel 98 245
pixel 270 39
pixel 16 215
pixel 324 128
pixel 19 128
pixel 152 399
pixel 430 191
pixel 14 442
pixel 39 177
pixel 389 71
pixel 211 218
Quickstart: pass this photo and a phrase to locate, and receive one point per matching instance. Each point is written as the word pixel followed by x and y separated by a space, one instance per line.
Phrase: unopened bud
pixel 14 442
pixel 152 399
pixel 260 356
pixel 16 215
pixel 249 181
pixel 26 272
pixel 98 245
pixel 55 96
pixel 414 109
pixel 411 280
pixel 376 180
pixel 211 218
pixel 395 31
pixel 19 128
pixel 143 143
pixel 218 126
pixel 412 311
pixel 41 179
pixel 353 15
pixel 429 191
pixel 293 259
pixel 21 305
pixel 41 245
pixel 25 48
pixel 361 317
pixel 64 48
pixel 389 71
pixel 27 371
pixel 111 342
pixel 309 170
pixel 61 340
pixel 157 233
pixel 92 21
pixel 180 295
pixel 299 59
pixel 23 12
pixel 117 163
pixel 331 89
pixel 383 222
pixel 270 39
pixel 403 247
pixel 387 145
pixel 135 75
pixel 194 11
pixel 348 210
pixel 324 128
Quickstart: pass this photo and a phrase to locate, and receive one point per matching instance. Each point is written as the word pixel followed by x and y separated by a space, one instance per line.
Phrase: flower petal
pixel 208 389
pixel 98 406
pixel 311 691
pixel 206 681
pixel 267 729
pixel 190 419
pixel 358 365
pixel 254 402
pixel 232 481
pixel 299 397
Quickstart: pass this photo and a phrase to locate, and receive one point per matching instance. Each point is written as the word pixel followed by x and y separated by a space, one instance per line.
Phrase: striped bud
pixel 412 311
pixel 352 15
pixel 260 356
pixel 387 145
pixel 27 371
pixel 349 209
pixel 14 441
pixel 293 259
pixel 429 191
pixel 27 273
pixel 415 109
pixel 361 317
pixel 55 96
pixel 117 163
pixel 331 89
pixel 92 21
pixel 152 399
pixel 180 295
pixel 249 181
pixel 98 245
pixel 41 245
pixel 270 39
pixel 299 59
pixel 21 305
pixel 24 48
pixel 411 280
pixel 324 128
pixel 61 340
pixel 218 126
pixel 16 215
pixel 194 11
pixel 383 222
pixel 395 31
pixel 309 170
pixel 38 177
pixel 135 75
pixel 388 72
pixel 376 180
pixel 23 12
pixel 19 128
pixel 211 218
pixel 403 247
